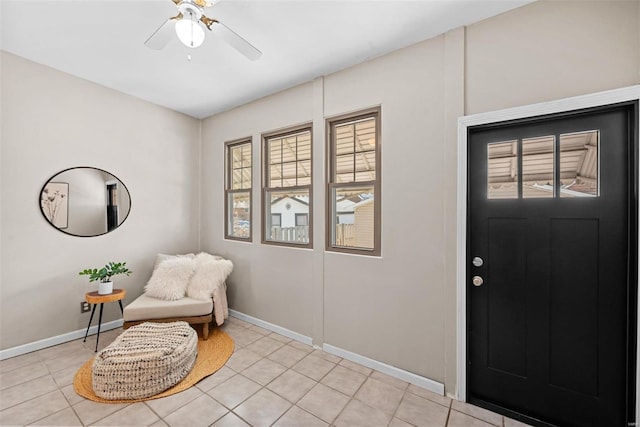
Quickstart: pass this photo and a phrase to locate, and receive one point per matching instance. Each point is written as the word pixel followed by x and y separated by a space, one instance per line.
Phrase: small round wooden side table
pixel 95 298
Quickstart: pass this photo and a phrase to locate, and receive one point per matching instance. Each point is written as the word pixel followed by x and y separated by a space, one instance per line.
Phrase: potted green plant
pixel 104 275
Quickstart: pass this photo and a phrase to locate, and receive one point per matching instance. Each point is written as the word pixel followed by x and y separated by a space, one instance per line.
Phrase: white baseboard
pixel 409 377
pixel 401 374
pixel 270 326
pixel 60 339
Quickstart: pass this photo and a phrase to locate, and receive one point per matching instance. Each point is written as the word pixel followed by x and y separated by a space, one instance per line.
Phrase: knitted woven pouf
pixel 145 360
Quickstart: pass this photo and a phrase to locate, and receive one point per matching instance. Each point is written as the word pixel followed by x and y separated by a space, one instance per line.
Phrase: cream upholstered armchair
pixel 190 288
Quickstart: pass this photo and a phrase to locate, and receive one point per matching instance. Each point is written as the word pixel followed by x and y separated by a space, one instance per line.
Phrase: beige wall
pixel 550 50
pixel 400 308
pixel 268 282
pixel 52 121
pixel 377 307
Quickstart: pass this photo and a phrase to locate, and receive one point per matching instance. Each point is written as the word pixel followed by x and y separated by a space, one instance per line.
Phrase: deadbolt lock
pixel 477 261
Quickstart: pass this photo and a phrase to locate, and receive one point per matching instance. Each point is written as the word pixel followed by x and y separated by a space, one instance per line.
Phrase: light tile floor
pixel 270 380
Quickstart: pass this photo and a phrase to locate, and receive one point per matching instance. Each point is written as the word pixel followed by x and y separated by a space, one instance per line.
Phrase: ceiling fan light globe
pixel 190 33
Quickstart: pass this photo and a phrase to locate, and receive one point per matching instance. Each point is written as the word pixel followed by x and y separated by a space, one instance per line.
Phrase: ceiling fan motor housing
pixel 190 9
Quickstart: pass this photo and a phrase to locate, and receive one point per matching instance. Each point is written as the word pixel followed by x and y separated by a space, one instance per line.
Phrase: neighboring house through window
pixel 354 215
pixel 238 190
pixel 287 187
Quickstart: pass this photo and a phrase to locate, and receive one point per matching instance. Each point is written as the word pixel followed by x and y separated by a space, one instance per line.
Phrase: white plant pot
pixel 105 288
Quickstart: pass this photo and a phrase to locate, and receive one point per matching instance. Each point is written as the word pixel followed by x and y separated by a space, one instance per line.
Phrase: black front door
pixel 551 268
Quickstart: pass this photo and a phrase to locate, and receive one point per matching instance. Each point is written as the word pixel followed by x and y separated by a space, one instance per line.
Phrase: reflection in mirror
pixel 85 201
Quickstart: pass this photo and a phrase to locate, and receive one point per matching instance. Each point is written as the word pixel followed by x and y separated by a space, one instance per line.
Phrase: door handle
pixel 477 281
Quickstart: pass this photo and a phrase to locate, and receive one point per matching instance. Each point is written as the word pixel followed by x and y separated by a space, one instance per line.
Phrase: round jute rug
pixel 212 355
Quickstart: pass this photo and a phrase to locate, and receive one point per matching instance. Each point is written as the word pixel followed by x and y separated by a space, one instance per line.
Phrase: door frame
pixel 631 93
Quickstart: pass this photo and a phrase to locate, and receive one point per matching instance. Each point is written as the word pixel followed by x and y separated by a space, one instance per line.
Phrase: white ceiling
pixel 102 41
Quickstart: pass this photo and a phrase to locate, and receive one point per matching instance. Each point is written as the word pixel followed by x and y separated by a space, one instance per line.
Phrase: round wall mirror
pixel 85 201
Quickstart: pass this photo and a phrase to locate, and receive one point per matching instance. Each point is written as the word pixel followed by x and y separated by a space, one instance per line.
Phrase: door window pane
pixel 502 170
pixel 538 163
pixel 579 164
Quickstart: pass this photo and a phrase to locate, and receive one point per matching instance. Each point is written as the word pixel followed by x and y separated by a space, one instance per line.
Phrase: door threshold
pixel 508 413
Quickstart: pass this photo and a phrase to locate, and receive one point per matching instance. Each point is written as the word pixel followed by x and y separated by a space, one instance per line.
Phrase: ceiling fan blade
pixel 235 41
pixel 161 36
pixel 204 3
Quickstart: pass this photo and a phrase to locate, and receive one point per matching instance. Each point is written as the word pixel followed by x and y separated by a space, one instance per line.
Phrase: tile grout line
pixel 39 360
pixel 240 329
pixel 238 415
pixel 476 418
pixel 106 416
pixel 404 393
pixel 153 411
pixel 204 393
pixel 71 405
pixel 241 402
pixel 30 379
pixel 261 386
pixel 231 410
pixel 34 397
pixel 446 422
pixel 309 391
pixel 316 382
pixel 350 397
pixel 48 415
pixel 354 394
pixel 284 413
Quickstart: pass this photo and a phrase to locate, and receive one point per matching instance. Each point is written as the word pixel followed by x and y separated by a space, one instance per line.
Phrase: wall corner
pixel 454 107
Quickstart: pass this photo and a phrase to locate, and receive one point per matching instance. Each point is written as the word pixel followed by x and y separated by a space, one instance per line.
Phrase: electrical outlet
pixel 84 307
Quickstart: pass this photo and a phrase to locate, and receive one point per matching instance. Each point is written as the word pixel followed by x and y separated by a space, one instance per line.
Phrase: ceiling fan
pixel 189 25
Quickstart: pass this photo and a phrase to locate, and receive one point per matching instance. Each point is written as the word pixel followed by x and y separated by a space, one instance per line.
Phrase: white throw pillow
pixel 171 278
pixel 164 257
pixel 211 272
